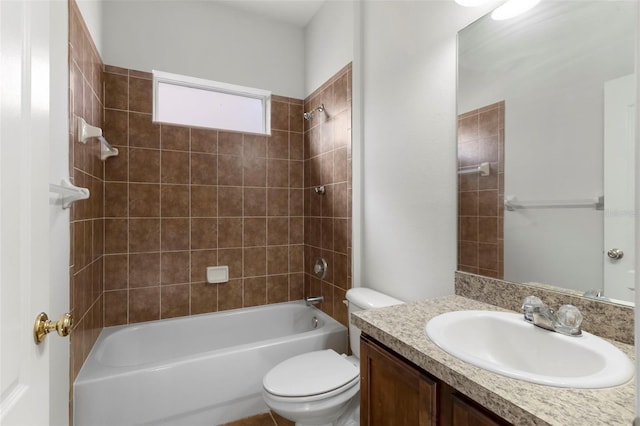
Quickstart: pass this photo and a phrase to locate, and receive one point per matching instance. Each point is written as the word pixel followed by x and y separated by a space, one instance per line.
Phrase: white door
pixel 27 375
pixel 619 188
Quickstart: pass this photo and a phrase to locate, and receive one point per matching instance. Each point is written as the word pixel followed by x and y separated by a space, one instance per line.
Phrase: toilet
pixel 322 388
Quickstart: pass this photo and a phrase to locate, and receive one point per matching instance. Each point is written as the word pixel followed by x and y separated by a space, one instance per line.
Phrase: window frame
pixel 214 86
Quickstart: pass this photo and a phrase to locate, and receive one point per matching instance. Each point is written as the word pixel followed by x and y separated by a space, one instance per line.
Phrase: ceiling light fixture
pixel 512 8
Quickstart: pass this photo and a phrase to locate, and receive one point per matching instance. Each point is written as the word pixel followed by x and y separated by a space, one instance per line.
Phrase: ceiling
pixel 295 12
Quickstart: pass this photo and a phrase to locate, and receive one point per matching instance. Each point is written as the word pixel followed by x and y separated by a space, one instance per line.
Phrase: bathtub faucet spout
pixel 314 300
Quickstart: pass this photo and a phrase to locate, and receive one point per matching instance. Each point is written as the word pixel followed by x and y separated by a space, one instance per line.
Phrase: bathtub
pixel 198 370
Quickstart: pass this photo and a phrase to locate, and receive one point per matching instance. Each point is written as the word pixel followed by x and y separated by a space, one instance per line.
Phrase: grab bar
pixel 511 204
pixel 483 169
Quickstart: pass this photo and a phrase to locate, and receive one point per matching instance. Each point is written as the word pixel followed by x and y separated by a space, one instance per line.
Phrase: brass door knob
pixel 44 326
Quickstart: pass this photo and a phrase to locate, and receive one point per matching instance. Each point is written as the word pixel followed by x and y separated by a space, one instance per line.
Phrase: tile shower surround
pixel 327 139
pixel 178 199
pixel 86 170
pixel 480 198
pixel 158 215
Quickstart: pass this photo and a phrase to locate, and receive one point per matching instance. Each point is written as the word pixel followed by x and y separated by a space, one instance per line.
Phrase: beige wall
pixel 408 200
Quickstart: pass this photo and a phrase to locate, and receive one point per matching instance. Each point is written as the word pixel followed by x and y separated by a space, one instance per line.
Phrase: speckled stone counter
pixel 401 328
pixel 601 317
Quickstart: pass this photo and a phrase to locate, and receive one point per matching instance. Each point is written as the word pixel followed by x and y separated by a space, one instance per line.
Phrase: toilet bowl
pixel 313 388
pixel 322 388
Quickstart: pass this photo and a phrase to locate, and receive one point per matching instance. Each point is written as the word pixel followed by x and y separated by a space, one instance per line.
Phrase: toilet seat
pixel 311 376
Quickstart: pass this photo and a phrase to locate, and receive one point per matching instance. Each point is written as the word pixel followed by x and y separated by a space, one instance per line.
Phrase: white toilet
pixel 322 388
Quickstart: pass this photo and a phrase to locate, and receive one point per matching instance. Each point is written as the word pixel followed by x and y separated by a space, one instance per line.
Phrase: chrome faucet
pixel 314 300
pixel 595 294
pixel 566 321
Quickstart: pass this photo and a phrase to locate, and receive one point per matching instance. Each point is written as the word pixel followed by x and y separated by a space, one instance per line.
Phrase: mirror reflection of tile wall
pixel 480 198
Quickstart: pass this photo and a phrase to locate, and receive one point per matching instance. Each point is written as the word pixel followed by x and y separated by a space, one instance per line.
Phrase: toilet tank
pixel 361 299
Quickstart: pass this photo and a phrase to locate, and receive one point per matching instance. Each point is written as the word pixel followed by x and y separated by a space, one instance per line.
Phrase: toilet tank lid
pixel 367 298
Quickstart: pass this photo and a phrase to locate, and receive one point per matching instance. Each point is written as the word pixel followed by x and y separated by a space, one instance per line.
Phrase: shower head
pixel 309 115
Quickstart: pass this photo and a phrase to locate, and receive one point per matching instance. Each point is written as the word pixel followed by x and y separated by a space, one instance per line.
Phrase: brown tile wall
pixel 480 198
pixel 86 170
pixel 179 199
pixel 327 139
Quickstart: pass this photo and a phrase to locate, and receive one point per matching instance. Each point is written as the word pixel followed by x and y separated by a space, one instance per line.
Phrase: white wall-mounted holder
pixel 217 274
pixel 106 150
pixel 69 192
pixel 86 131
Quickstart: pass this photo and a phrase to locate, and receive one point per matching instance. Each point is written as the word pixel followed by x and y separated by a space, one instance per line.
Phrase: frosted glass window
pixel 196 102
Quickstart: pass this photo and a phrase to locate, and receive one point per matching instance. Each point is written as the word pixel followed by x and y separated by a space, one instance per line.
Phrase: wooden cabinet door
pixel 466 413
pixel 392 391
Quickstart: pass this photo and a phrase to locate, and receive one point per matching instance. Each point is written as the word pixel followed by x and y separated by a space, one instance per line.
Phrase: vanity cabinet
pixel 395 392
pixel 458 410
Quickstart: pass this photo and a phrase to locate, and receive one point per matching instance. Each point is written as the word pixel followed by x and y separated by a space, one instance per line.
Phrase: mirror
pixel 546 106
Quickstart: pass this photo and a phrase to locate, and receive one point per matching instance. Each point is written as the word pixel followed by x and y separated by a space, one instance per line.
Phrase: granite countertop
pixel 401 328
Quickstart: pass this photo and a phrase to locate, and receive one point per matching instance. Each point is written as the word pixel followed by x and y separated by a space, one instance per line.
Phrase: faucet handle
pixel 570 317
pixel 530 305
pixel 532 302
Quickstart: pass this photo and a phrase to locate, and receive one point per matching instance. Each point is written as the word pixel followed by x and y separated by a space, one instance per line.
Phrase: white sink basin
pixel 506 344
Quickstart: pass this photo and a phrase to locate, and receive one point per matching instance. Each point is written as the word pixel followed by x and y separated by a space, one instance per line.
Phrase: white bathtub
pixel 198 370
